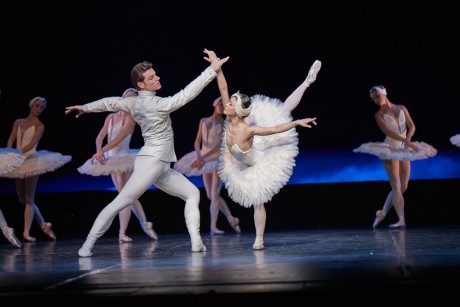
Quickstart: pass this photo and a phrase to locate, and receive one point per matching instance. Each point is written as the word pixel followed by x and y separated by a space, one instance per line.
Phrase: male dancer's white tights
pixel 147 171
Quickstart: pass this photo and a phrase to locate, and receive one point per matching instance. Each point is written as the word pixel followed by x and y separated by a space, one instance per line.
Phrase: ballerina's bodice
pixel 123 146
pixel 397 125
pixel 24 137
pixel 248 157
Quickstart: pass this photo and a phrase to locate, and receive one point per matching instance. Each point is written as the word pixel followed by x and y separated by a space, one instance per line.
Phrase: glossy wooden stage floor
pixel 307 264
pixel 324 252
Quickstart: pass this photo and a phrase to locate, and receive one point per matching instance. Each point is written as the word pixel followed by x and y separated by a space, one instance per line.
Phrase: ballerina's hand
pixel 197 164
pixel 98 158
pixel 216 62
pixel 414 147
pixel 307 121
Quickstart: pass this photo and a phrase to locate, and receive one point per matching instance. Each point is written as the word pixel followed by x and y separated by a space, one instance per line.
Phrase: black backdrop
pixel 73 52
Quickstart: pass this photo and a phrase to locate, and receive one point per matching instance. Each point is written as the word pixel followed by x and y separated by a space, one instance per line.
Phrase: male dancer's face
pixel 151 81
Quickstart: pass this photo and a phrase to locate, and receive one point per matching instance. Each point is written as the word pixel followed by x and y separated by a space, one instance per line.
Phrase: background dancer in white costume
pixel 153 162
pixel 259 147
pixel 10 158
pixel 396 151
pixel 27 132
pixel 117 159
pixel 203 161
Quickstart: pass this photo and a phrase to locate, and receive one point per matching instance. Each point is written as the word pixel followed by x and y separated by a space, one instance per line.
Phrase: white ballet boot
pixel 98 229
pixel 85 250
pixel 258 243
pixel 193 226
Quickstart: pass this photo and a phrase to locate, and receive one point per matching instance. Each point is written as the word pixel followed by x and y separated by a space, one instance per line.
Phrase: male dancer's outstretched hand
pixel 75 108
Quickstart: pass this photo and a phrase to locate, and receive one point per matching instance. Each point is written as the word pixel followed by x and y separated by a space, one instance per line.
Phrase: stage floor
pixel 319 248
pixel 314 265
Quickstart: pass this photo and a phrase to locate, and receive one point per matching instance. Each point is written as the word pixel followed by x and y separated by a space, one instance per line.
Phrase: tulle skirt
pixel 120 163
pixel 250 185
pixel 184 165
pixel 10 158
pixel 387 151
pixel 41 162
pixel 455 140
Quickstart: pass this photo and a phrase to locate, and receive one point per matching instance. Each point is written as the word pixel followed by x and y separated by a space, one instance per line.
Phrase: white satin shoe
pixel 10 236
pixel 314 69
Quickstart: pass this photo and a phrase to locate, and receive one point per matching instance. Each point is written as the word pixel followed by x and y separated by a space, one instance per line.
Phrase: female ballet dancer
pixel 203 161
pixel 26 133
pixel 259 147
pixel 396 151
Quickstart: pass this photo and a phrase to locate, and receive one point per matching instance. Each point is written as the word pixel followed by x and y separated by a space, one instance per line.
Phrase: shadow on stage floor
pixel 319 247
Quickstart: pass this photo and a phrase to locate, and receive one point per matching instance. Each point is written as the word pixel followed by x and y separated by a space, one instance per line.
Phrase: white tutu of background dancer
pixel 391 151
pixel 38 163
pixel 10 158
pixel 455 140
pixel 121 163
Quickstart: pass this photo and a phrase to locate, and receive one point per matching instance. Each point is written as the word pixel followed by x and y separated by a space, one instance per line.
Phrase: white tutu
pixel 41 162
pixel 184 165
pixel 10 158
pixel 120 163
pixel 387 151
pixel 455 140
pixel 258 183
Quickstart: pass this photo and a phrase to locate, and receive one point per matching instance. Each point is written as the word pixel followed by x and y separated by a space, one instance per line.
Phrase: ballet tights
pixel 147 171
pixel 293 100
pixel 260 218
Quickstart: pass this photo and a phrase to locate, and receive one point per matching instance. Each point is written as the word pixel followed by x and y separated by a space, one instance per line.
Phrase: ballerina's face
pixel 229 107
pixel 377 98
pixel 37 107
pixel 219 107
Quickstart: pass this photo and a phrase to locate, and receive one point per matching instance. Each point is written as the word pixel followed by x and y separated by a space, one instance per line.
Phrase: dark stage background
pixel 74 52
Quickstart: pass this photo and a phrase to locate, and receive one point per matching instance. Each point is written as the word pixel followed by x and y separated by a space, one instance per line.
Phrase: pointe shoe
pixel 259 243
pixel 148 229
pixel 397 225
pixel 10 236
pixel 28 238
pixel 216 231
pixel 124 238
pixel 46 227
pixel 379 216
pixel 313 72
pixel 235 223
